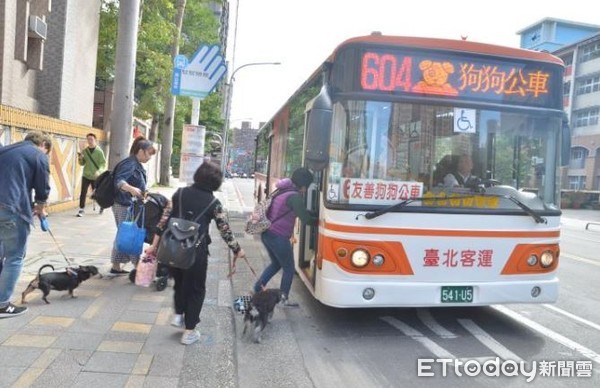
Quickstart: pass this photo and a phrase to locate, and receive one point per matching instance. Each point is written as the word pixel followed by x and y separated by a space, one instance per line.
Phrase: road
pixel 381 347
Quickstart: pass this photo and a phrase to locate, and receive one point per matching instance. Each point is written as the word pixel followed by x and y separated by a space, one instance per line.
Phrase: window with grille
pixel 588 85
pixel 589 52
pixel 587 117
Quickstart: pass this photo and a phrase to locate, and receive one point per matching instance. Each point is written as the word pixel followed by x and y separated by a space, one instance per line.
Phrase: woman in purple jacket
pixel 286 205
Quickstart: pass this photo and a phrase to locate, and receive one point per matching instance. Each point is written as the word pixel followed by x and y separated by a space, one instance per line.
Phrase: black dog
pixel 260 311
pixel 69 279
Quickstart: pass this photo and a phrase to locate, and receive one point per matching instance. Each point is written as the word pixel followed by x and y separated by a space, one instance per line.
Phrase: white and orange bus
pixel 382 123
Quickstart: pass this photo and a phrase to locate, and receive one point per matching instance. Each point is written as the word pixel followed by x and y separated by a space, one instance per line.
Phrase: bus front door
pixel 309 236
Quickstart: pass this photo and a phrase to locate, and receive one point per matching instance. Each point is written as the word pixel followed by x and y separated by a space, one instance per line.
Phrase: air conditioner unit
pixel 37 27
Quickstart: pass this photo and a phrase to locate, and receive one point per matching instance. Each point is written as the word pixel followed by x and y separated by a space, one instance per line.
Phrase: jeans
pixel 282 257
pixel 13 238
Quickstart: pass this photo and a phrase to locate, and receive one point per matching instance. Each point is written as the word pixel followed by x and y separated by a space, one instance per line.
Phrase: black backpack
pixel 154 205
pixel 104 194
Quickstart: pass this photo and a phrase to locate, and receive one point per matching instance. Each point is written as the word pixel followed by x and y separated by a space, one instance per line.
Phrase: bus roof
pixel 452 45
pixel 431 43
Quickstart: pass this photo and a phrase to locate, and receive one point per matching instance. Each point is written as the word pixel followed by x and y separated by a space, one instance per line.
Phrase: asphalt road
pixel 382 347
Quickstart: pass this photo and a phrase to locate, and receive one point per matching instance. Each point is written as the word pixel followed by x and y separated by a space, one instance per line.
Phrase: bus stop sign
pixel 198 77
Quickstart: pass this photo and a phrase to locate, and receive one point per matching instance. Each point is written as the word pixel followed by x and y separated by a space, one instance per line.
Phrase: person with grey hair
pixel 25 168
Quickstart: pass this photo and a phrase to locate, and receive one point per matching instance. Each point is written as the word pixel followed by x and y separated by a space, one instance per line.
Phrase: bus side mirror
pixel 565 148
pixel 318 130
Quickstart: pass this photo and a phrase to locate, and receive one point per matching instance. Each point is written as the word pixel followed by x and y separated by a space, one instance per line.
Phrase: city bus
pixel 383 124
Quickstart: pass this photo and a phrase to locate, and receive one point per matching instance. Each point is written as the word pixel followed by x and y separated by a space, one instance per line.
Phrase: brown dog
pixel 69 280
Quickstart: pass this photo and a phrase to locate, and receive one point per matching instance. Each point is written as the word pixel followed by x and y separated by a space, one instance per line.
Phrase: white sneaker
pixel 80 213
pixel 190 336
pixel 177 320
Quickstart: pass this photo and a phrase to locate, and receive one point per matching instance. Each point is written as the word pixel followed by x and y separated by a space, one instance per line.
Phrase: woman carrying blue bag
pixel 130 183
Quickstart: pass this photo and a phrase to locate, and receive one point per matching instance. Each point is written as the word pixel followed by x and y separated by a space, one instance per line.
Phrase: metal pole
pixel 229 95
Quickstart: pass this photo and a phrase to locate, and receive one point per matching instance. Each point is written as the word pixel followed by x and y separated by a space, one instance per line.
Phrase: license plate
pixel 457 294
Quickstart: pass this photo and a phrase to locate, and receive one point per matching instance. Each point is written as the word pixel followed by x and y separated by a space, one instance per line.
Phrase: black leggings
pixel 190 289
pixel 85 183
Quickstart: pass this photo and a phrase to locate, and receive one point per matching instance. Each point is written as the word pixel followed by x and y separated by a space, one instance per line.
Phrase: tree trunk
pixel 169 116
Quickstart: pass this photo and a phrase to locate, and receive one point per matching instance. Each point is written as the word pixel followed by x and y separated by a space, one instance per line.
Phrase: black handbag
pixel 178 243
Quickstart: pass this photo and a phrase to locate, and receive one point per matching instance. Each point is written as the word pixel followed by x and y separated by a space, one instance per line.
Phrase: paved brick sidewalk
pixel 115 334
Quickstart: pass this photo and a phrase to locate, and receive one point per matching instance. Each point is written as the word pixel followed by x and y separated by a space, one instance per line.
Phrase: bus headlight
pixel 378 260
pixel 532 260
pixel 360 258
pixel 547 259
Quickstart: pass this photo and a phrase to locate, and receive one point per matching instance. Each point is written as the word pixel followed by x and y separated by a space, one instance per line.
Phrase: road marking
pixel 239 195
pixel 583 260
pixel 573 316
pixel 549 333
pixel 416 335
pixel 429 321
pixel 487 340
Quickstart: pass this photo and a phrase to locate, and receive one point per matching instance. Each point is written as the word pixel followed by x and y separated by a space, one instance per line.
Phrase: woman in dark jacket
pixel 130 182
pixel 190 284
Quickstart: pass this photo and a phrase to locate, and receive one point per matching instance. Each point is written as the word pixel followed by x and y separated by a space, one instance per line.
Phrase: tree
pixel 154 64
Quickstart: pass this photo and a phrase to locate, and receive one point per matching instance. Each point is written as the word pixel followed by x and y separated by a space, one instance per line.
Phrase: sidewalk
pixel 114 333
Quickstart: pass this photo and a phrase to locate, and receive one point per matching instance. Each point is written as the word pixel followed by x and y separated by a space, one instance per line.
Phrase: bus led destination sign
pixel 459 76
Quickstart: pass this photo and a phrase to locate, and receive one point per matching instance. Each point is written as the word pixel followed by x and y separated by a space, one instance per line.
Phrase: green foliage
pixel 107 40
pixel 153 61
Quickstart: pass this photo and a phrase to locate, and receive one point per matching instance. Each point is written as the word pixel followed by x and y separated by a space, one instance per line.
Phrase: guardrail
pixel 587 226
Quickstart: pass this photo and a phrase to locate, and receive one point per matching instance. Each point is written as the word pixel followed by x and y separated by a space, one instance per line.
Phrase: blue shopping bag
pixel 130 235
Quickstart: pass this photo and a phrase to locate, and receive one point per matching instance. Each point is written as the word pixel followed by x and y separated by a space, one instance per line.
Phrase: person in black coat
pixel 190 284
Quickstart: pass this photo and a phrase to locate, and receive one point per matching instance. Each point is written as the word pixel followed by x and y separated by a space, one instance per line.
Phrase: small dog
pixel 260 311
pixel 69 279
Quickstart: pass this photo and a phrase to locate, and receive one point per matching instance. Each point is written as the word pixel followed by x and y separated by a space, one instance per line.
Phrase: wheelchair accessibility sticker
pixel 464 120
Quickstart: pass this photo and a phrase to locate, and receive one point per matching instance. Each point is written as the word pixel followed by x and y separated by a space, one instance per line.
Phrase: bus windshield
pixel 442 156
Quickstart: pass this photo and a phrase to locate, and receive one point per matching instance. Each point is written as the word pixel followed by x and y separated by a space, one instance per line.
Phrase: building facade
pixel 241 152
pixel 578 45
pixel 48 56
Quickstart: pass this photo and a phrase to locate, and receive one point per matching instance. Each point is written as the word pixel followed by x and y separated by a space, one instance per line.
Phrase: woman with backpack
pixel 287 204
pixel 190 284
pixel 130 183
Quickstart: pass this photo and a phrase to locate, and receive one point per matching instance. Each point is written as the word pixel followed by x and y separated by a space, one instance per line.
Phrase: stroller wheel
pixel 132 276
pixel 161 283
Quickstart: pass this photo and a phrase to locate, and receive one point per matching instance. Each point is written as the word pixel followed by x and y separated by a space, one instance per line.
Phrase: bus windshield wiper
pixel 374 214
pixel 539 219
pixel 396 206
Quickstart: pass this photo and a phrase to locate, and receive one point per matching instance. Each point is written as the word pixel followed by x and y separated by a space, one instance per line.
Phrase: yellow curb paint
pixel 142 364
pixel 162 318
pixel 132 327
pixel 46 358
pixel 91 311
pixel 120 346
pixel 52 321
pixel 135 381
pixel 89 293
pixel 29 340
pixel 149 298
pixel 28 378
